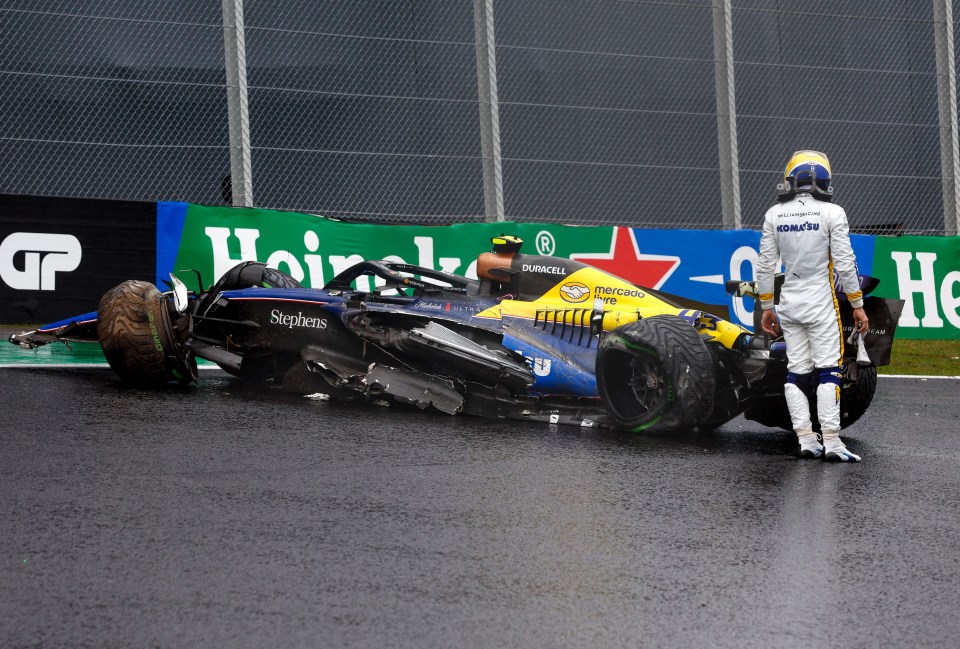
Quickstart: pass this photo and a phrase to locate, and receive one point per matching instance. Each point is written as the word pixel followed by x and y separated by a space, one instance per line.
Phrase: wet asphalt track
pixel 220 517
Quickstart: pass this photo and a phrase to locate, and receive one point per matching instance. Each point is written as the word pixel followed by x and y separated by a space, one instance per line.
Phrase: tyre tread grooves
pixel 123 327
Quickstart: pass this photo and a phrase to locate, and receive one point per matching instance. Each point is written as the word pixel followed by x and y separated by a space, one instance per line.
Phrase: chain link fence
pixel 608 112
pixel 655 113
pixel 112 99
pixel 857 80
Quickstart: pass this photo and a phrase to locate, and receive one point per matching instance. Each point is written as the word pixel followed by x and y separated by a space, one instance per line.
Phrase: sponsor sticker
pixel 300 321
pixel 575 292
pixel 618 291
pixel 807 226
pixel 544 268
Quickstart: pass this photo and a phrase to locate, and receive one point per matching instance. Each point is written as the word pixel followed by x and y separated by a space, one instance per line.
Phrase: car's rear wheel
pixel 856 396
pixel 656 374
pixel 138 337
pixel 250 274
pixel 274 278
pixel 770 407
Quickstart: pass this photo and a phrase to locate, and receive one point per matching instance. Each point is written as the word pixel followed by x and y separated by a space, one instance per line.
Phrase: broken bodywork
pixel 533 337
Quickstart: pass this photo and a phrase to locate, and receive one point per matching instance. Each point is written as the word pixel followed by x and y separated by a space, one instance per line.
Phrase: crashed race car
pixel 533 337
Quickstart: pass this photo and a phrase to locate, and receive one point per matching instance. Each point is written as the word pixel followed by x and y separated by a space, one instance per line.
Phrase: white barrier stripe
pixel 64 366
pixel 915 376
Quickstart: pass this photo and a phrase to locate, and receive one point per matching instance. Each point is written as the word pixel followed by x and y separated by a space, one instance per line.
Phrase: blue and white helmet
pixel 807 171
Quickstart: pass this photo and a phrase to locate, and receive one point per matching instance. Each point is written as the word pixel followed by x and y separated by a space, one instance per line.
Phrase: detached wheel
pixel 138 338
pixel 656 374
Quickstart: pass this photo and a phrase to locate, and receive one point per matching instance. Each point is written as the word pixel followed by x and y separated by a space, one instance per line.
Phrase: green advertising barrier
pixel 925 273
pixel 922 271
pixel 693 264
pixel 314 249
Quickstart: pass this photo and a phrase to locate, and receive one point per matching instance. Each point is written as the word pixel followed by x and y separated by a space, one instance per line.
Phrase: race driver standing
pixel 811 236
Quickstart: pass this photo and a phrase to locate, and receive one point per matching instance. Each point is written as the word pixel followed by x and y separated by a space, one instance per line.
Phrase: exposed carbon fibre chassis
pixel 583 412
pixel 438 346
pixel 482 368
pixel 451 397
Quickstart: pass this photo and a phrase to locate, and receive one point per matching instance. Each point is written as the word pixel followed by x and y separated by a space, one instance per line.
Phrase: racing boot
pixel 835 450
pixel 810 446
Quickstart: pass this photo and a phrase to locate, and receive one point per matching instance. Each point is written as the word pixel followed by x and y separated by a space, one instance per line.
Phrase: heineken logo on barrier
pixel 920 288
pixel 306 264
pixel 692 264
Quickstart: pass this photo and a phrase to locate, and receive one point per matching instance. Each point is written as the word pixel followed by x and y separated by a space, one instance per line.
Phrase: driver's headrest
pixel 488 263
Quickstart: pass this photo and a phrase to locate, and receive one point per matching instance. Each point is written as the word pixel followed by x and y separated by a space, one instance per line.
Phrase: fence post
pixel 947 104
pixel 726 114
pixel 235 55
pixel 489 110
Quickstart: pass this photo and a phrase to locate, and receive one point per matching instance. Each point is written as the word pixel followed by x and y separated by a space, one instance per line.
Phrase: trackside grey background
pixel 370 110
pixel 225 515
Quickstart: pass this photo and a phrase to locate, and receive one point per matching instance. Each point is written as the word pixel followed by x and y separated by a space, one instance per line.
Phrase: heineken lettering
pixel 692 264
pixel 290 321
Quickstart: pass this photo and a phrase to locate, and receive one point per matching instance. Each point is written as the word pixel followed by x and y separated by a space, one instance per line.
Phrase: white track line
pixel 214 367
pixel 66 366
pixel 915 376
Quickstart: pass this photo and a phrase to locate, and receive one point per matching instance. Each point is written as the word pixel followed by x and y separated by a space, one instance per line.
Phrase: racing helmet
pixel 807 171
pixel 506 243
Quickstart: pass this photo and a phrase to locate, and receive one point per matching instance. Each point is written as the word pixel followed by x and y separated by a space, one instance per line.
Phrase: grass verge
pixel 926 357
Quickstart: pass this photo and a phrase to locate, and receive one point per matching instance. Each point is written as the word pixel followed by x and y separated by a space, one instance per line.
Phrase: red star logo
pixel 625 260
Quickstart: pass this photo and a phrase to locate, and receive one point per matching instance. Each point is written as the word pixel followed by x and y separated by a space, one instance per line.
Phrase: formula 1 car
pixel 534 337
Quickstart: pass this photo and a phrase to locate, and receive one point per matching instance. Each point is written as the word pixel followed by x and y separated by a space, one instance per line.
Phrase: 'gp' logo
pixel 45 255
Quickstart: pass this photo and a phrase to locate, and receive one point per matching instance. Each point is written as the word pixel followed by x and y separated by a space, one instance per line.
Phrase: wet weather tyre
pixel 656 374
pixel 274 278
pixel 250 274
pixel 254 368
pixel 138 338
pixel 856 396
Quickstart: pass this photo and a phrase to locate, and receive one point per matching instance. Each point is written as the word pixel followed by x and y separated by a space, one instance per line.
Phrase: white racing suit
pixel 812 239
